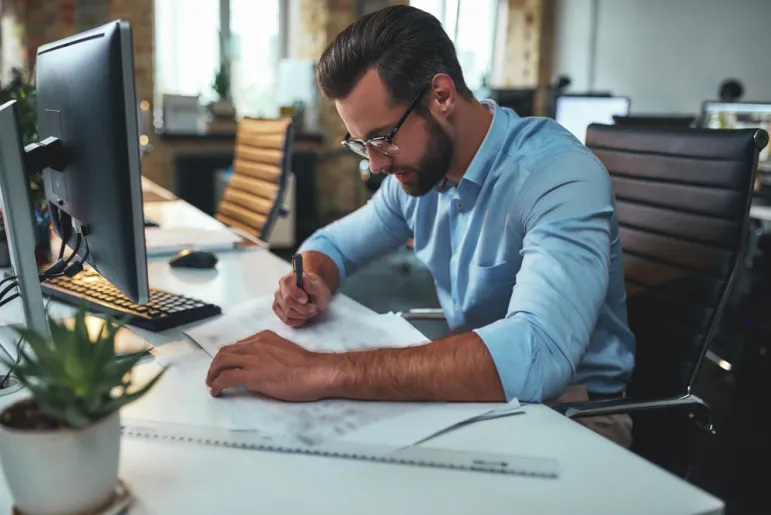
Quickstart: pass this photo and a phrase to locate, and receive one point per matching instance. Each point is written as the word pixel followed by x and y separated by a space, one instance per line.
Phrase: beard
pixel 434 164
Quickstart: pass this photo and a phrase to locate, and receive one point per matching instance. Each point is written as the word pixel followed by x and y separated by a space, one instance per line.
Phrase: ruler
pixel 506 464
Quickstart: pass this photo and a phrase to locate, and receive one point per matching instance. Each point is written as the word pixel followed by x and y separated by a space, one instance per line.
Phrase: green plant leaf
pixel 75 378
pixel 118 402
pixel 76 419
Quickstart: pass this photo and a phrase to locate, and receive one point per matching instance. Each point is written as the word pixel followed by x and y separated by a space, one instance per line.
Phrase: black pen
pixel 297 266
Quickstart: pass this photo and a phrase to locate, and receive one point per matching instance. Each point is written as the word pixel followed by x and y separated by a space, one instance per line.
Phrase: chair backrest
pixel 682 200
pixel 254 196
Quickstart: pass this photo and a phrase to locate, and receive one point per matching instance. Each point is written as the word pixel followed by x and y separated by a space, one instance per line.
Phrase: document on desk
pixel 161 241
pixel 337 330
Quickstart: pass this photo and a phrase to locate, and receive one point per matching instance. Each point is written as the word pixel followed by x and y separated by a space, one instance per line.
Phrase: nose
pixel 378 161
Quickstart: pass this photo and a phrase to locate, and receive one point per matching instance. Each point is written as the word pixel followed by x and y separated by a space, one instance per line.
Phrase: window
pixel 254 56
pixel 190 47
pixel 187 53
pixel 471 25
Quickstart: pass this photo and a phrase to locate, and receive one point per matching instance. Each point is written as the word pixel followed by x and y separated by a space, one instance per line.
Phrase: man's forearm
pixel 456 368
pixel 323 266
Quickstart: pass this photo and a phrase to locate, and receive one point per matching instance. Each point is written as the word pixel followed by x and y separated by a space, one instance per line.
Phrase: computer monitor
pixel 576 113
pixel 86 99
pixel 89 153
pixel 740 115
pixel 520 100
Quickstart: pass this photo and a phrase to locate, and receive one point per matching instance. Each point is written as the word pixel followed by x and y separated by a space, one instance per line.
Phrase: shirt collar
pixel 488 150
pixel 480 165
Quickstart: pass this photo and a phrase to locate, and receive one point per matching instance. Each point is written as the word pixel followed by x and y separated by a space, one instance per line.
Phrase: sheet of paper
pixel 181 396
pixel 169 240
pixel 339 329
pixel 336 330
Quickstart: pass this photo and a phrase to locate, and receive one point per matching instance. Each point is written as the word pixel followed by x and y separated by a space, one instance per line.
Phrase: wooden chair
pixel 254 196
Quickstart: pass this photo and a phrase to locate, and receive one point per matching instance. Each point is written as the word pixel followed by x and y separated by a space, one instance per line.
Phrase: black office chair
pixel 682 198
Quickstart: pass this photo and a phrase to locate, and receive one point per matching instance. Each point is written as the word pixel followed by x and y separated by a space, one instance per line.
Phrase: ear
pixel 444 95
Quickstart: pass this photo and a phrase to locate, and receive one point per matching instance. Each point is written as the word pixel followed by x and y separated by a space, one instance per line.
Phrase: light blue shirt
pixel 524 251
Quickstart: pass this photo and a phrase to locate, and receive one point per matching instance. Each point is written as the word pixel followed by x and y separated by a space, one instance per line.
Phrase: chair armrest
pixel 422 314
pixel 624 406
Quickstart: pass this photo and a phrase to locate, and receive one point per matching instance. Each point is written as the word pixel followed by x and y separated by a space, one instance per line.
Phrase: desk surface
pixel 596 476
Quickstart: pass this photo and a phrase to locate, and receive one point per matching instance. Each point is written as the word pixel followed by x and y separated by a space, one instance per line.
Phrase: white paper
pixel 338 330
pixel 160 240
pixel 180 397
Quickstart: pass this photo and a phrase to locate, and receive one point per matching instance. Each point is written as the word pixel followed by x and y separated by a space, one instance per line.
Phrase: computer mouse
pixel 189 258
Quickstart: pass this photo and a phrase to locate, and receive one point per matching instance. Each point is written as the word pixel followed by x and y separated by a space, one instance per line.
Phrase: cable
pixel 70 271
pixel 4 382
pixel 7 289
pixel 75 268
pixel 9 299
pixel 61 249
pixel 57 269
pixel 77 248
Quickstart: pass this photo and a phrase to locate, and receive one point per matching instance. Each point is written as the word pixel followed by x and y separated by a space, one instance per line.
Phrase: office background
pixel 666 56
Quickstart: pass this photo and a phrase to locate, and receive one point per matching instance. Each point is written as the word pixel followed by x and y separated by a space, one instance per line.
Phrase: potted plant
pixel 223 107
pixel 60 446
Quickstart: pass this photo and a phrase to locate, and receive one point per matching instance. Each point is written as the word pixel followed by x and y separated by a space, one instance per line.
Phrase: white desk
pixel 760 212
pixel 596 476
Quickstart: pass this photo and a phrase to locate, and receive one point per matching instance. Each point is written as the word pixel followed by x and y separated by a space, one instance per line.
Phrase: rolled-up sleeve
pixel 565 209
pixel 369 232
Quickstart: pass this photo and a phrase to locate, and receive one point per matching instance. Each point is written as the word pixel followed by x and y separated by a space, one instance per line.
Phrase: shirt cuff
pixel 510 343
pixel 326 247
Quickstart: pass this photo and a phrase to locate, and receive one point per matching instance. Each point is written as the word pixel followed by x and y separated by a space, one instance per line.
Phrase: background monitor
pixel 576 113
pixel 740 115
pixel 86 98
pixel 520 100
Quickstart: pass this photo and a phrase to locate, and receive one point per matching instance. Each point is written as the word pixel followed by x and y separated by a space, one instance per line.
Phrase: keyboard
pixel 163 311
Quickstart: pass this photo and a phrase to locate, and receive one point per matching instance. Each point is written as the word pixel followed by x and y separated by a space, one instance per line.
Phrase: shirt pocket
pixel 488 292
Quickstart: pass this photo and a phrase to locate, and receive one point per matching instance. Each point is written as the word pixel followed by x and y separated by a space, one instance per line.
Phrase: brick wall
pixel 339 188
pixel 529 50
pixel 43 21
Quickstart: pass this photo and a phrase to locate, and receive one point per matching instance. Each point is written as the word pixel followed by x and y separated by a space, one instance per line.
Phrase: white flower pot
pixel 62 471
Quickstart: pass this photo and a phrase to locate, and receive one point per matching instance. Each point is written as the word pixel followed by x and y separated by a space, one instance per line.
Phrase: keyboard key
pixel 163 311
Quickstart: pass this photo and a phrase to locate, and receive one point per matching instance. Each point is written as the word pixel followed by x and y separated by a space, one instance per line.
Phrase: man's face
pixel 425 147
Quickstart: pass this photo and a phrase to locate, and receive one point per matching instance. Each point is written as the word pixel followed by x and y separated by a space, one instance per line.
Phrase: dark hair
pixel 406 45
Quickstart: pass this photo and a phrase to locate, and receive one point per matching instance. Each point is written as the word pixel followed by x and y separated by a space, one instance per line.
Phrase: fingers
pixel 313 284
pixel 290 290
pixel 225 361
pixel 291 318
pixel 294 301
pixel 318 290
pixel 228 379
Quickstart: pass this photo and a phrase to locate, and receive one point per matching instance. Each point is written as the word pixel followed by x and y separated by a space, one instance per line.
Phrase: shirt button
pixel 460 206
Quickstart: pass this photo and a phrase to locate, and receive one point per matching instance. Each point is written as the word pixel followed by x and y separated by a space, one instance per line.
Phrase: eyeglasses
pixel 383 144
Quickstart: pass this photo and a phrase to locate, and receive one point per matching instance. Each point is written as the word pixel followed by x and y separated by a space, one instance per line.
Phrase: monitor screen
pixel 577 113
pixel 738 115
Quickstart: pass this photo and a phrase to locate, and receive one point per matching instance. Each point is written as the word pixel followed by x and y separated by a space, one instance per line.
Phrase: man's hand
pixel 271 365
pixel 293 305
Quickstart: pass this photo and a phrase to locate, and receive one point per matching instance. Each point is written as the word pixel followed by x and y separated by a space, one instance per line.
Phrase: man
pixel 513 216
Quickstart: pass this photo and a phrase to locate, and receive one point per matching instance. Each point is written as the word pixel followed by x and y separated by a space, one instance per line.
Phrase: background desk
pixel 596 476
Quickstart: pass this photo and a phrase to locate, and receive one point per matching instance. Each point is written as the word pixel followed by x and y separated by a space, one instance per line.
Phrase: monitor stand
pixel 16 163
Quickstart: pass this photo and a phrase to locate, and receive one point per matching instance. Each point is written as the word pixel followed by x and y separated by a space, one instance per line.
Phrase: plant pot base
pixel 120 501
